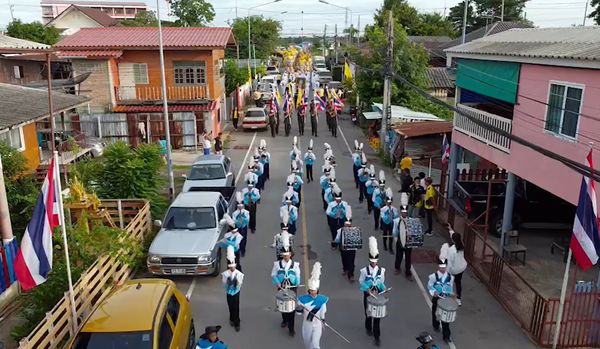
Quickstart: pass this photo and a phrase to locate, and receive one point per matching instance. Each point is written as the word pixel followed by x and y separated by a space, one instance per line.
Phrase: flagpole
pixel 429 175
pixel 63 227
pixel 563 294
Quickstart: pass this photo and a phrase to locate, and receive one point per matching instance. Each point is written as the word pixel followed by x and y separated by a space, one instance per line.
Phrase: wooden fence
pixel 57 328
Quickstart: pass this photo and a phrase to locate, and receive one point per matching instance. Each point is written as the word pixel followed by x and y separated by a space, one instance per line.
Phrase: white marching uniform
pixel 312 330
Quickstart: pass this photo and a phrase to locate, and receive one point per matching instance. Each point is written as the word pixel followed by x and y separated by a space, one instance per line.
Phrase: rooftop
pixel 24 104
pixel 96 15
pixel 114 314
pixel 439 77
pixel 494 28
pixel 573 43
pixel 147 37
pixel 94 3
pixel 196 199
pixel 422 128
pixel 209 158
pixel 8 43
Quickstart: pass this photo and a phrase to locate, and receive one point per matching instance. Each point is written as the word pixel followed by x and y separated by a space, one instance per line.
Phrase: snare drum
pixel 285 301
pixel 446 309
pixel 377 307
pixel 351 239
pixel 414 233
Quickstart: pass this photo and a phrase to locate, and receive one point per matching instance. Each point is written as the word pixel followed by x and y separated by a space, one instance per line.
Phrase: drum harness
pixel 441 282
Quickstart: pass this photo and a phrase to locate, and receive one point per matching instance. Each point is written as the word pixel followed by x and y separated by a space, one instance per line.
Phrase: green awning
pixel 494 79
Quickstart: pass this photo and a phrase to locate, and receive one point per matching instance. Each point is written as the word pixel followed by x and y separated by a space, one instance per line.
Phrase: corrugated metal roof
pixel 438 77
pixel 91 53
pixel 159 108
pixel 141 37
pixel 491 29
pixel 19 104
pixel 7 42
pixel 580 43
pixel 423 128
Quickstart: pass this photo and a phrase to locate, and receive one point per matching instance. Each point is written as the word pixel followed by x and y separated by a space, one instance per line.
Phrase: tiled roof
pixel 7 42
pixel 105 3
pixel 578 43
pixel 90 53
pixel 423 128
pixel 493 28
pixel 439 78
pixel 20 104
pixel 429 38
pixel 159 108
pixel 147 37
pixel 96 15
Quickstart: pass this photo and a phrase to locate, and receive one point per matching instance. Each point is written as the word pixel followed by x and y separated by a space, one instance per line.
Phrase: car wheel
pixel 217 265
pixel 495 224
pixel 192 339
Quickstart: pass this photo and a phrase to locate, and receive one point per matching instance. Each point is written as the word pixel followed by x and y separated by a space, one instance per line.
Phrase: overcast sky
pixel 544 13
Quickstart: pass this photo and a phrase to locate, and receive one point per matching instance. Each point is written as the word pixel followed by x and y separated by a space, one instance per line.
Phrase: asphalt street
pixel 409 313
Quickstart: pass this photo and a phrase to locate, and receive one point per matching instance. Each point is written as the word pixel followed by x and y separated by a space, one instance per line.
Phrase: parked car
pixel 187 241
pixel 255 118
pixel 534 208
pixel 274 71
pixel 141 314
pixel 210 171
pixel 325 77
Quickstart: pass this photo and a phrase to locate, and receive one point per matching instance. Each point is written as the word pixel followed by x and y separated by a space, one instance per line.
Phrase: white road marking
pixel 412 269
pixel 190 290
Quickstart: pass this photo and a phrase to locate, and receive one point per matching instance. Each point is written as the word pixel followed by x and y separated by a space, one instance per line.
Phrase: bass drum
pixel 351 239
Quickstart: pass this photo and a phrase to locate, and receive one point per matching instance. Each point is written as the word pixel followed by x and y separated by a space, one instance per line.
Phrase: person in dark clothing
pixel 314 114
pixel 219 144
pixel 301 120
pixel 405 181
pixel 415 198
pixel 235 118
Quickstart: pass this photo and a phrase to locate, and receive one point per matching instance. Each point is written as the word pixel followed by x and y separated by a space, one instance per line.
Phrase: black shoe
pixel 377 342
pixel 292 333
pixel 436 329
pixel 230 323
pixel 283 324
pixel 391 250
pixel 385 248
pixel 448 340
pixel 237 328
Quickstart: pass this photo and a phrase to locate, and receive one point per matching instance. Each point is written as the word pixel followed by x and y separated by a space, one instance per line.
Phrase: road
pixel 481 321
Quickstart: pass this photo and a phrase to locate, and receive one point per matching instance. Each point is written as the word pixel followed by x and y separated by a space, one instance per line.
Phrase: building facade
pixel 117 10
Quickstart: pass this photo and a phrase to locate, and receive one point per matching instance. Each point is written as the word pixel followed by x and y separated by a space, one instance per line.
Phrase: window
pixel 18 72
pixel 114 340
pixel 564 104
pixel 165 334
pixel 173 309
pixel 207 172
pixel 220 210
pixel 14 138
pixel 189 73
pixel 140 73
pixel 190 218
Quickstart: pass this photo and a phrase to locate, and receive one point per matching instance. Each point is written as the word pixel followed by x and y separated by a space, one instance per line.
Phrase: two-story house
pixel 540 85
pixel 125 80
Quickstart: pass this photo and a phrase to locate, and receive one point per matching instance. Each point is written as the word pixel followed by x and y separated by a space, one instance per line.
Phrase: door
pixel 126 82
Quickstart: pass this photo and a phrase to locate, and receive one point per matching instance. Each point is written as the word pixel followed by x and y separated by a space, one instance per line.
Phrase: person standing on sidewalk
pixel 456 261
pixel 232 281
pixel 219 144
pixel 415 198
pixel 309 160
pixel 235 117
pixel 400 232
pixel 379 199
pixel 440 286
pixel 206 143
pixel 429 205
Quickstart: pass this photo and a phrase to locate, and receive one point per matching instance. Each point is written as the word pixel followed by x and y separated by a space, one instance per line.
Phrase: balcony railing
pixel 489 137
pixel 154 93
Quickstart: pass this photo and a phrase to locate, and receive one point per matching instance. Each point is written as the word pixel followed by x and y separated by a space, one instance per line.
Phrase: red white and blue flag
pixel 585 241
pixel 319 103
pixel 274 105
pixel 287 103
pixel 34 259
pixel 338 104
pixel 304 102
pixel 445 150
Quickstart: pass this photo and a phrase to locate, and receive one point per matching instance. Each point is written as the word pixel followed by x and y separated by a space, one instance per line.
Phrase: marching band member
pixel 371 280
pixel 232 238
pixel 251 176
pixel 309 160
pixel 265 158
pixel 314 117
pixel 328 172
pixel 314 305
pixel 290 193
pixel 363 177
pixel 388 214
pixel 297 183
pixel 329 158
pixel 278 238
pixel 251 199
pixel 336 213
pixel 379 198
pixel 210 339
pixel 348 255
pixel 241 217
pixel 328 151
pixel 232 281
pixel 426 341
pixel 259 171
pixel 292 212
pixel 295 152
pixel 356 161
pixel 328 196
pixel 286 274
pixel 400 232
pixel 440 285
pixel 370 185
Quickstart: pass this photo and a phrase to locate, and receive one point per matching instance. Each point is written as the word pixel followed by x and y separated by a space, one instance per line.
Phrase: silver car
pixel 214 171
pixel 187 241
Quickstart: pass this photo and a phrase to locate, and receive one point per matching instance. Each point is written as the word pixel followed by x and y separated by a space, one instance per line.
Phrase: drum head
pixel 448 303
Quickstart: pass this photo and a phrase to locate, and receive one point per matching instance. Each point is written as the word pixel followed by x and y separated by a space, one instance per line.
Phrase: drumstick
pixel 326 324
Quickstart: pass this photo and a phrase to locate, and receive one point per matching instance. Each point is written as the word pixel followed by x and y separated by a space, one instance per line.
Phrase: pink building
pixel 117 10
pixel 540 85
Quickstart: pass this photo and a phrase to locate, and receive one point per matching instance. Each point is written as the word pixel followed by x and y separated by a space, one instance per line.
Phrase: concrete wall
pixel 97 85
pixel 71 22
pixel 528 123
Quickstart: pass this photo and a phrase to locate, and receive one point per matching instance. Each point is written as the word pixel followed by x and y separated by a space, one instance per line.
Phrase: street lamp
pixel 249 37
pixel 342 7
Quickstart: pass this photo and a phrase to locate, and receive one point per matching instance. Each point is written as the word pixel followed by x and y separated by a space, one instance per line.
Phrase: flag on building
pixel 347 71
pixel 34 258
pixel 319 103
pixel 445 150
pixel 585 241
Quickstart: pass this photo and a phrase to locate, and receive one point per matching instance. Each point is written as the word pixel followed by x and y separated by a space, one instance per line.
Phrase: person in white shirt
pixel 286 274
pixel 400 232
pixel 440 286
pixel 206 143
pixel 232 282
pixel 314 307
pixel 455 258
pixel 372 282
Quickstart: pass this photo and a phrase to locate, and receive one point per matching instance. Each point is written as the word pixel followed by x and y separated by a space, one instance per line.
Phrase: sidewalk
pixel 481 321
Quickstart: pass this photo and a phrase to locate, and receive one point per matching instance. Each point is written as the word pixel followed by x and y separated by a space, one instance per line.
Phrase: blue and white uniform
pixel 232 239
pixel 293 216
pixel 311 327
pixel 251 196
pixel 232 281
pixel 206 344
pixel 251 176
pixel 286 272
pixel 372 278
pixel 388 214
pixel 440 283
pixel 309 158
pixel 328 195
pixel 294 196
pixel 378 198
pixel 241 217
pixel 297 185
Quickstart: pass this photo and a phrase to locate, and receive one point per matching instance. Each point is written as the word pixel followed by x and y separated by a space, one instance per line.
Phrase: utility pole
pixel 335 47
pixel 585 11
pixel 358 33
pixel 501 13
pixel 464 28
pixel 386 118
pixel 302 25
pixel 324 40
pixel 11 8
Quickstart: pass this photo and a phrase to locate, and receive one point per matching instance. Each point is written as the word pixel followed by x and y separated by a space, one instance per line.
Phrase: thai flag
pixel 304 102
pixel 319 103
pixel 34 259
pixel 274 105
pixel 585 241
pixel 445 150
pixel 286 102
pixel 338 104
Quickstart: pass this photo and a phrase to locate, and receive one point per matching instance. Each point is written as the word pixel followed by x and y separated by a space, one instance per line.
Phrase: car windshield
pixel 190 218
pixel 207 172
pixel 255 114
pixel 116 340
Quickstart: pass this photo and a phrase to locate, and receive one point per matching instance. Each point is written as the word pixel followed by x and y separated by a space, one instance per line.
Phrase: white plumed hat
pixel 285 241
pixel 310 144
pixel 356 146
pixel 228 220
pixel 285 218
pixel 238 198
pixel 348 214
pixel 381 177
pixel 230 256
pixel 403 199
pixel 389 195
pixel 372 171
pixel 315 277
pixel 263 144
pixel 295 142
pixel 373 251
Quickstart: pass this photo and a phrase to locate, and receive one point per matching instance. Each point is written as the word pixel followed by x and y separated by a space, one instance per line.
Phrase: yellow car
pixel 139 314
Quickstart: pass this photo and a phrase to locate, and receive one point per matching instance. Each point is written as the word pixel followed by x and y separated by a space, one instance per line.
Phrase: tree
pixel 457 15
pixel 434 24
pixel 265 35
pixel 596 13
pixel 142 19
pixel 482 12
pixel 234 76
pixel 192 13
pixel 414 23
pixel 34 31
